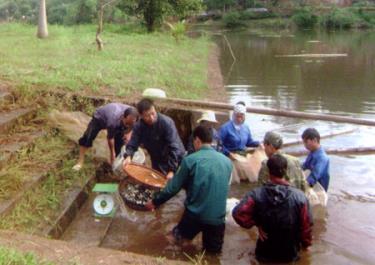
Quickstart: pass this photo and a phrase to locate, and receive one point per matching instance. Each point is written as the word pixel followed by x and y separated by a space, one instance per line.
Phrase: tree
pixel 42 20
pixel 101 5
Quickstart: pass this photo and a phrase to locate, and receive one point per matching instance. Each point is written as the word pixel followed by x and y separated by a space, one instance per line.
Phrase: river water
pixel 262 77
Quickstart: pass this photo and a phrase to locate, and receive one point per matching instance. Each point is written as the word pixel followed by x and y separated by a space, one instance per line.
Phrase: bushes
pixel 339 19
pixel 305 18
pixel 233 20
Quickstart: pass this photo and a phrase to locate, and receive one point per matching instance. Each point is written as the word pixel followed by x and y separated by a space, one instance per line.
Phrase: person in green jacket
pixel 204 175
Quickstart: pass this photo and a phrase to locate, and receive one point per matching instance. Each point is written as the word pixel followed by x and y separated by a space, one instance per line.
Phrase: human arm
pixel 111 146
pixel 244 211
pixel 134 141
pixel 173 186
pixel 318 169
pixel 173 143
pixel 190 146
pixel 263 175
pixel 306 225
pixel 223 132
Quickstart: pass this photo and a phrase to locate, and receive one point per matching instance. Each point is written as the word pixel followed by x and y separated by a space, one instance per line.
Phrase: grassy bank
pixel 130 62
pixel 13 257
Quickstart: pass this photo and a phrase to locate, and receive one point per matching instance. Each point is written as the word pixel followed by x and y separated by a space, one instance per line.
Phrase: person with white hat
pixel 207 119
pixel 235 135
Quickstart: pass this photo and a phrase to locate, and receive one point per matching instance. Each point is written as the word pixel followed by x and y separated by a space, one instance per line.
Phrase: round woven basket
pixel 141 184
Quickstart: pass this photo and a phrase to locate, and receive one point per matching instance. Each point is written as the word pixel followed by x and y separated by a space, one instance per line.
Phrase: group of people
pixel 278 207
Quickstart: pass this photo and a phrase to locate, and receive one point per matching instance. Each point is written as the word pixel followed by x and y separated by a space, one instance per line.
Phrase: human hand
pixel 150 205
pixel 127 137
pixel 126 161
pixel 112 158
pixel 232 156
pixel 169 175
pixel 262 235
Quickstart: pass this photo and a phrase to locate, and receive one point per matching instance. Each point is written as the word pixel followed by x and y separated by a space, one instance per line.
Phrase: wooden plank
pixel 266 111
pixel 338 151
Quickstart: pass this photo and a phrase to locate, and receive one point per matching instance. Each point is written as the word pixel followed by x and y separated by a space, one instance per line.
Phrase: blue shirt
pixel 236 140
pixel 110 117
pixel 318 163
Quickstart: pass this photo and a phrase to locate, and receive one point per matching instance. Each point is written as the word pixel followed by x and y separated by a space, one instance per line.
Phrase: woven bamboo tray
pixel 146 176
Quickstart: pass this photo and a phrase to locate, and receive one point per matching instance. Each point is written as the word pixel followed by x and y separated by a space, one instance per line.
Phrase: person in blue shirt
pixel 235 135
pixel 317 161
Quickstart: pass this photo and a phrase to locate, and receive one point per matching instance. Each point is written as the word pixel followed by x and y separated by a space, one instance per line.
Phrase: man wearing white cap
pixel 207 119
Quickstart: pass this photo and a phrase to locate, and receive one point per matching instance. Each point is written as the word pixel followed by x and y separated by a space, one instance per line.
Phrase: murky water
pixel 342 86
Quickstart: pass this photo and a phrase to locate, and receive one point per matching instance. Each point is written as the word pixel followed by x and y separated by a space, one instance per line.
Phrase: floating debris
pixel 314 55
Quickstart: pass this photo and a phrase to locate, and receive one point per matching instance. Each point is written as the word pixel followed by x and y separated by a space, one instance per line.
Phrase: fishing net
pixel 247 167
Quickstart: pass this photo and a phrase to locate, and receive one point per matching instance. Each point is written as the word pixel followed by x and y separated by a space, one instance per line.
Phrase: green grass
pixel 130 62
pixel 10 256
pixel 40 205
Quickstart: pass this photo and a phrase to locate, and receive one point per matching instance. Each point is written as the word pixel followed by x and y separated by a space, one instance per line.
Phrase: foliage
pixel 13 257
pixel 305 18
pixel 130 63
pixel 338 19
pixel 177 30
pixel 233 20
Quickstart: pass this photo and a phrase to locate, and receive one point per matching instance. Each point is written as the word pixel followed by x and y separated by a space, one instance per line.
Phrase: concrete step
pixel 60 252
pixel 86 229
pixel 7 205
pixel 11 144
pixel 74 199
pixel 9 118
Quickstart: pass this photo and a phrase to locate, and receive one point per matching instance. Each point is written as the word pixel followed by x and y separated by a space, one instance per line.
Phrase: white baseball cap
pixel 207 115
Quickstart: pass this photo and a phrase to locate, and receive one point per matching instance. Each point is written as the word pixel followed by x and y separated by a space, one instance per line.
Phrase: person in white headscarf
pixel 235 137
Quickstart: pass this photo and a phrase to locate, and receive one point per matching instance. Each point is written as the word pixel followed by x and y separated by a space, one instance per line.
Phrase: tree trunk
pixel 98 40
pixel 42 20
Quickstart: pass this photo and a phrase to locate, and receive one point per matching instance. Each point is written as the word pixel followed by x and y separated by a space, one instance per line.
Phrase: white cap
pixel 207 115
pixel 154 93
pixel 239 108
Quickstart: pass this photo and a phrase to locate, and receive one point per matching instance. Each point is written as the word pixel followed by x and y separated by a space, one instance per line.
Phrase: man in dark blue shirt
pixel 158 135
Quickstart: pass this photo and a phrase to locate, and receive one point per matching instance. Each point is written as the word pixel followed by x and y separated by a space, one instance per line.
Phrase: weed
pixel 198 259
pixel 11 256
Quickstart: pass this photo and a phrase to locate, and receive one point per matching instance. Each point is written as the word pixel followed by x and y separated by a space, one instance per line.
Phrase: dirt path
pixel 215 79
pixel 61 252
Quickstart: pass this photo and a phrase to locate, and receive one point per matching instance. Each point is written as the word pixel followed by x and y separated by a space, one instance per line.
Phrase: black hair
pixel 311 134
pixel 277 165
pixel 204 134
pixel 144 105
pixel 241 103
pixel 131 111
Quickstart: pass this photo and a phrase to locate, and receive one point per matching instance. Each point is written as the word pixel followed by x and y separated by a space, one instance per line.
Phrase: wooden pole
pixel 265 111
pixel 340 151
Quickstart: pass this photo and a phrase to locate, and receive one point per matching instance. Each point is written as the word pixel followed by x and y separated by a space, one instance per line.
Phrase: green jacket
pixel 294 172
pixel 204 175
